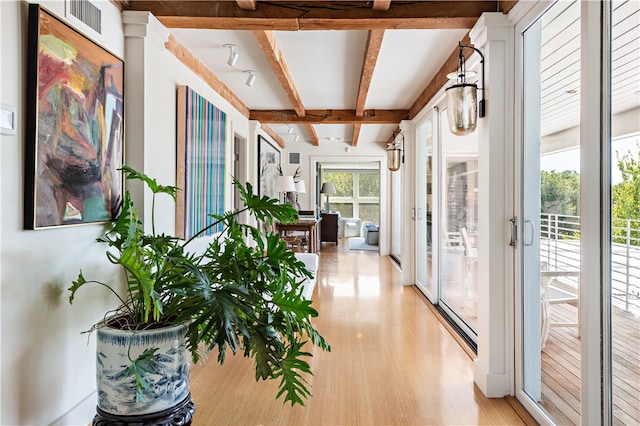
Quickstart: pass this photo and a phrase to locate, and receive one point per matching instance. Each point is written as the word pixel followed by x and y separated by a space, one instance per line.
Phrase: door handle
pixel 530 237
pixel 513 240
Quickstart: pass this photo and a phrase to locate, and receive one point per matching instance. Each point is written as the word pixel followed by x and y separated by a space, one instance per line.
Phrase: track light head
pixel 251 78
pixel 233 54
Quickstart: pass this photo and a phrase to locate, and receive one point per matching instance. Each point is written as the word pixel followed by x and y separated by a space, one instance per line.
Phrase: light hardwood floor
pixel 392 361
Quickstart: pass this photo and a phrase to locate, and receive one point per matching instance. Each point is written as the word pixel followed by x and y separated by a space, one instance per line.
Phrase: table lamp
pixel 328 188
pixel 285 184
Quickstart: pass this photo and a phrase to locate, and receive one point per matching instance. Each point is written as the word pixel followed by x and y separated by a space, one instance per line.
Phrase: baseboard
pixel 454 333
pixel 491 385
pixel 81 414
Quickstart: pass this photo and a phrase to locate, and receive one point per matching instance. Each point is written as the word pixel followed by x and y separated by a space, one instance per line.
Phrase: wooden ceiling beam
pixel 185 56
pixel 273 54
pixel 381 4
pixel 312 133
pixel 506 5
pixel 276 137
pixel 316 15
pixel 330 116
pixel 356 134
pixel 374 41
pixel 247 4
pixel 440 79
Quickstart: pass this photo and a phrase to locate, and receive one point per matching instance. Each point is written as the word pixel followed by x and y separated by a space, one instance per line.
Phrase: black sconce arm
pixel 481 104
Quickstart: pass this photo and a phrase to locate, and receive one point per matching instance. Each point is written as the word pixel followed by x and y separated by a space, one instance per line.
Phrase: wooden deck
pixel 561 368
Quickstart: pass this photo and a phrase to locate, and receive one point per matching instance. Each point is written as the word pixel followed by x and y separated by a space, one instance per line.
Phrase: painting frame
pixel 201 155
pixel 74 136
pixel 268 168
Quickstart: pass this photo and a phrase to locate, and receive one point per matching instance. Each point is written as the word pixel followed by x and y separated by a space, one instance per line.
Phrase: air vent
pixel 87 13
pixel 294 158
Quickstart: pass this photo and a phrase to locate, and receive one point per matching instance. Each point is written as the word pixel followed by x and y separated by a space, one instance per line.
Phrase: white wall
pixel 47 365
pixel 151 110
pixel 327 151
pixel 48 370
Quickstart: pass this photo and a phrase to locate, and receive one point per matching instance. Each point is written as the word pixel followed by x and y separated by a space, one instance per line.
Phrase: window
pixel 357 193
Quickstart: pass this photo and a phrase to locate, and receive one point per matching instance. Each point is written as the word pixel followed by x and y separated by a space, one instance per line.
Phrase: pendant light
pixel 462 104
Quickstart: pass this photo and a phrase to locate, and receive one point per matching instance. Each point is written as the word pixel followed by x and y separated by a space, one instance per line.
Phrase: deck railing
pixel 560 249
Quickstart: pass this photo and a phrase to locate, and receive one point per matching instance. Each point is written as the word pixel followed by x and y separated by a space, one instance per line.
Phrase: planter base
pixel 180 415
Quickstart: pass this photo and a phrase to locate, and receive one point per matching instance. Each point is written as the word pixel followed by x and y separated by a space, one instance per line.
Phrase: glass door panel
pixel 625 202
pixel 459 227
pixel 423 210
pixel 551 349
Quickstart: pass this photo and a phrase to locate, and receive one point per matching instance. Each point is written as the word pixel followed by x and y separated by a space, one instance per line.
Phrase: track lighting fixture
pixel 251 78
pixel 233 54
pixel 290 131
pixel 296 137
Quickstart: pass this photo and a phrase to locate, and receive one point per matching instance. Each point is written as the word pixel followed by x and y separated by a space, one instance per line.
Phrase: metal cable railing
pixel 560 249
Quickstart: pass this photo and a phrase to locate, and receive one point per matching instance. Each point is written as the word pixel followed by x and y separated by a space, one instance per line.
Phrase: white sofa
pixel 310 261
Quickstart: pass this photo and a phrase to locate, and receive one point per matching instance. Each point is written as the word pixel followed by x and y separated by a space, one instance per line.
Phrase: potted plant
pixel 242 293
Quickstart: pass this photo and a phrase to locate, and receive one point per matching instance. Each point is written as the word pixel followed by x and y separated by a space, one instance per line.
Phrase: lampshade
pixel 462 108
pixel 300 188
pixel 328 188
pixel 394 152
pixel 285 184
pixel 394 156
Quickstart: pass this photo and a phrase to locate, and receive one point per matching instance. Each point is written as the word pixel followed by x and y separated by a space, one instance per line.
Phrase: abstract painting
pixel 201 141
pixel 75 126
pixel 268 168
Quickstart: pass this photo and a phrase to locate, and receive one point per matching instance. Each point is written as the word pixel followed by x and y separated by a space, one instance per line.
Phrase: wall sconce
pixel 328 188
pixel 296 138
pixel 462 105
pixel 233 54
pixel 251 78
pixel 394 153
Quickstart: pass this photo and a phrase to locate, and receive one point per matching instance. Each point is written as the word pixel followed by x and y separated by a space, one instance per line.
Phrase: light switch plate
pixel 7 119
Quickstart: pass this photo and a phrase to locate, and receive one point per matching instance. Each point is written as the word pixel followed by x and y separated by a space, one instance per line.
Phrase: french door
pixel 446 220
pixel 579 66
pixel 423 214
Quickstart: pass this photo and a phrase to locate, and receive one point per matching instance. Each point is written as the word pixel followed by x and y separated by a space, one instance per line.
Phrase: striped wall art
pixel 202 135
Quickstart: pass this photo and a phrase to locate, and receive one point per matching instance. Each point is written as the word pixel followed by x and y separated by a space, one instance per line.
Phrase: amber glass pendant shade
pixel 462 108
pixel 394 157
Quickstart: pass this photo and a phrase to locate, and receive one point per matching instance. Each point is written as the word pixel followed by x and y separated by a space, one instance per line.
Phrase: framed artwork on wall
pixel 200 168
pixel 74 126
pixel 268 168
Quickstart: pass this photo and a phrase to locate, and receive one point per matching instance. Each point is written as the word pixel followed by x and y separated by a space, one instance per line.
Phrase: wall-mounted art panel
pixel 202 134
pixel 74 126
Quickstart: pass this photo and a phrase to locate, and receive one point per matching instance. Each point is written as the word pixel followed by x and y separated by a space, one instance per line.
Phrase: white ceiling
pixel 560 63
pixel 325 67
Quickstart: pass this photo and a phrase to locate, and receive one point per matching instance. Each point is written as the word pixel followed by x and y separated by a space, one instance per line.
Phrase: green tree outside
pixel 626 198
pixel 342 181
pixel 560 192
pixel 369 184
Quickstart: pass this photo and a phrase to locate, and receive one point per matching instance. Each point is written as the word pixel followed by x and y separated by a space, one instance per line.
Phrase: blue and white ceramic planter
pixel 117 393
